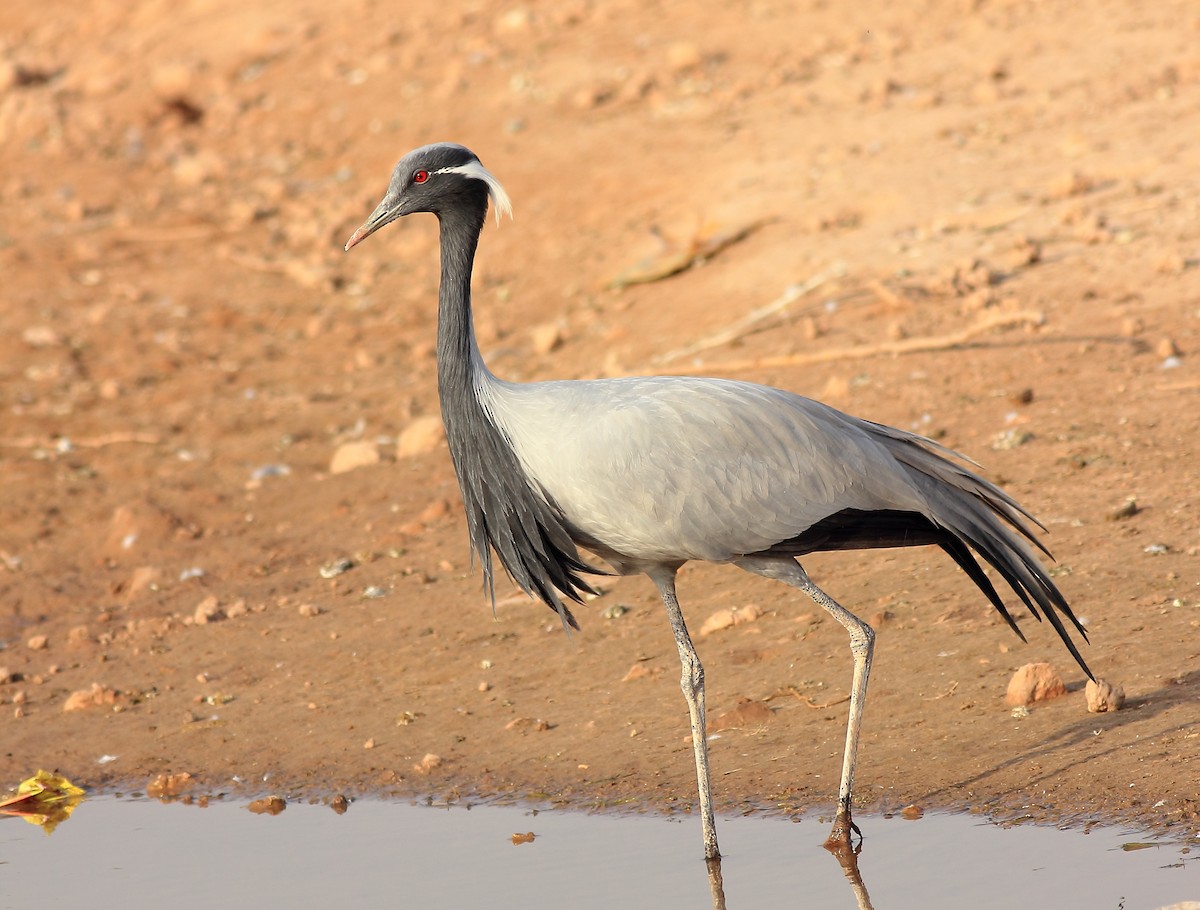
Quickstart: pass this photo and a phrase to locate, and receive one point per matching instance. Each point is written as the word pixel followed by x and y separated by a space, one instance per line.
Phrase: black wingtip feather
pixel 962 556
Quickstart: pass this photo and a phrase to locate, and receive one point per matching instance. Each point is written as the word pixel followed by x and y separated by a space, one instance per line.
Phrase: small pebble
pixel 422 435
pixel 637 671
pixel 352 455
pixel 428 763
pixel 270 805
pixel 723 619
pixel 208 610
pixel 546 338
pixel 1103 696
pixel 1166 347
pixel 683 55
pixel 337 567
pixel 1033 683
pixel 1128 510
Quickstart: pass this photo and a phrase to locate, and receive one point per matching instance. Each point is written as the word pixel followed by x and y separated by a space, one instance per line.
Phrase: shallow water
pixel 132 853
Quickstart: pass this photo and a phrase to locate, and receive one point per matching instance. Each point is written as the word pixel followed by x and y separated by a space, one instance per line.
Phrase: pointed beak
pixel 384 213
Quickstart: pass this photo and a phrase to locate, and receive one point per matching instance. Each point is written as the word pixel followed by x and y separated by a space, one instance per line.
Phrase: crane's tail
pixel 970 511
pixel 964 512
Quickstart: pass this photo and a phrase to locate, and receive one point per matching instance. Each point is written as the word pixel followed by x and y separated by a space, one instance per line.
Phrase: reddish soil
pixel 184 346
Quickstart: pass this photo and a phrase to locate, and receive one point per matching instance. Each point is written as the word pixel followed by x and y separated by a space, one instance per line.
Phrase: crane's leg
pixel 862 646
pixel 692 683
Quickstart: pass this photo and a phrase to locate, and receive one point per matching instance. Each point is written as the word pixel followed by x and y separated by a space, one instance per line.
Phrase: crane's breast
pixel 675 468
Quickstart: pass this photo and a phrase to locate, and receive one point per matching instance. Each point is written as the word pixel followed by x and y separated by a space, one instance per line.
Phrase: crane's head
pixel 435 178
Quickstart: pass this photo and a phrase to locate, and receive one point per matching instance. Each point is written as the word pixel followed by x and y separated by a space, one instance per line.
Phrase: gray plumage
pixel 649 473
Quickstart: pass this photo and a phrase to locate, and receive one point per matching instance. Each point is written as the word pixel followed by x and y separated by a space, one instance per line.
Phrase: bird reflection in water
pixel 845 854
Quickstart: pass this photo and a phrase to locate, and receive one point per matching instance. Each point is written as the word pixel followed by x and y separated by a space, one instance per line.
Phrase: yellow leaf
pixel 44 800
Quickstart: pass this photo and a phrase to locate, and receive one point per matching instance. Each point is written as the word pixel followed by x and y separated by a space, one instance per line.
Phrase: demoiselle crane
pixel 648 473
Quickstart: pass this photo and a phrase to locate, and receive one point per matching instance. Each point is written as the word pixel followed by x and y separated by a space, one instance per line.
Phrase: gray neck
pixel 457 352
pixel 504 513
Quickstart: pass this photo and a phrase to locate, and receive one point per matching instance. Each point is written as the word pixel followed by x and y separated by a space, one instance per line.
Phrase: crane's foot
pixel 841 838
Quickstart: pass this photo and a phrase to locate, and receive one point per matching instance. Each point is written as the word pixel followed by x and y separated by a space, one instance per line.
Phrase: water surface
pixel 133 853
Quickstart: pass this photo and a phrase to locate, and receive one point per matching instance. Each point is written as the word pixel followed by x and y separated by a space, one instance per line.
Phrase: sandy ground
pixel 981 219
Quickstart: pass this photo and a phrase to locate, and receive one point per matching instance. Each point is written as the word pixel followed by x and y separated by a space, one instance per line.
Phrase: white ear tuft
pixel 500 200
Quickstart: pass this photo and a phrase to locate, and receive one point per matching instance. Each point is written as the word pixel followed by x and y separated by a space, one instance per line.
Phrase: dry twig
pixel 987 323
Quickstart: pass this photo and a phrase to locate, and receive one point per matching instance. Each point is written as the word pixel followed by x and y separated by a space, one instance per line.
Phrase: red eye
pixel 420 176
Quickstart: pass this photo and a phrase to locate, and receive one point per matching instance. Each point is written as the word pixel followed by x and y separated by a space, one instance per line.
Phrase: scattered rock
pixel 138 523
pixel 912 812
pixel 339 566
pixel 748 713
pixel 422 435
pixel 208 610
pixel 268 805
pixel 37 643
pixel 1166 347
pixel 264 472
pixel 10 75
pixel 1073 184
pixel 309 610
pixel 723 619
pixel 1012 438
pixel 1032 683
pixel 638 671
pixel 1128 510
pixel 339 804
pixel 193 170
pixel 684 55
pixel 1172 263
pixel 514 21
pixel 171 80
pixel 1025 252
pixel 439 508
pixel 351 455
pixel 1132 326
pixel 882 618
pixel 526 838
pixel 169 785
pixel 428 763
pixel 525 724
pixel 40 336
pixel 96 696
pixel 1103 696
pixel 546 337
pixel 141 579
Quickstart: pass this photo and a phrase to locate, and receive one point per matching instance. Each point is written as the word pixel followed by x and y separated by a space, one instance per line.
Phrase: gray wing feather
pixel 670 469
